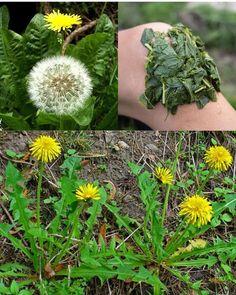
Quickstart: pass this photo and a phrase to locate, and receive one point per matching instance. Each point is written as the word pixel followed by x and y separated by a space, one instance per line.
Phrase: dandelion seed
pixel 218 157
pixel 45 148
pixel 87 191
pixel 57 21
pixel 197 210
pixel 164 175
pixel 59 85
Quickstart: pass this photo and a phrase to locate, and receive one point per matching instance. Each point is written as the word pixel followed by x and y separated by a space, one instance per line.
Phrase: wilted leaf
pixel 49 271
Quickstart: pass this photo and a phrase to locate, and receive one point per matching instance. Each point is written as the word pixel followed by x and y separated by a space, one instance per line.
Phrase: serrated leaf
pixel 47 119
pixel 14 266
pixel 86 272
pixel 38 233
pixel 226 267
pixel 71 165
pixel 11 153
pixel 39 42
pixel 94 212
pixel 3 288
pixel 14 287
pixel 186 279
pixel 15 186
pixel 84 116
pixel 89 261
pixel 13 122
pixel 148 190
pixel 104 24
pixel 67 188
pixel 11 56
pixel 96 51
pixel 210 261
pixel 230 200
pixel 14 181
pixel 157 235
pixel 136 169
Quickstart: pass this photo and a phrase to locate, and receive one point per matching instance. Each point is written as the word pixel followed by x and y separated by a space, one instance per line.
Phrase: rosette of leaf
pixel 60 85
pixel 178 70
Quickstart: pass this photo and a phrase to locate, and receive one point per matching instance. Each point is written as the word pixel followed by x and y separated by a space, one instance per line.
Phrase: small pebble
pixel 152 147
pixel 109 137
pixel 123 145
pixel 116 148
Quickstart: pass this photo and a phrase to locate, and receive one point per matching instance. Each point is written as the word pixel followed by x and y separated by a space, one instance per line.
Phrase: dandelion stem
pixel 39 188
pixel 205 181
pixel 156 290
pixel 74 226
pixel 179 241
pixel 149 217
pixel 75 33
pixel 165 204
pixel 175 237
pixel 170 185
pixel 41 168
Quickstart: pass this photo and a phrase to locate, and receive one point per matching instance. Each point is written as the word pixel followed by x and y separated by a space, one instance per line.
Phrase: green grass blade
pixel 196 262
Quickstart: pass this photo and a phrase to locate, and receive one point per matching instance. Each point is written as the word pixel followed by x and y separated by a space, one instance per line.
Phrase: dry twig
pixel 76 33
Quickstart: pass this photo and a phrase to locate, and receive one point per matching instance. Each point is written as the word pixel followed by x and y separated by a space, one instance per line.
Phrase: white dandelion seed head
pixel 60 85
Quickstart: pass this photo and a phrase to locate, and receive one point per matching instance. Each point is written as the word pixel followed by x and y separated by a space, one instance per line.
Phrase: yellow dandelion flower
pixel 218 157
pixel 164 175
pixel 45 148
pixel 57 21
pixel 88 191
pixel 197 210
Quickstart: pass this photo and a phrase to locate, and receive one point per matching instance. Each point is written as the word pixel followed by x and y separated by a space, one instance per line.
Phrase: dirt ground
pixel 108 153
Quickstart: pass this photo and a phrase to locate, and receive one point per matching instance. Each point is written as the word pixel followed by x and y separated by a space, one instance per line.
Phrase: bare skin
pixel 218 115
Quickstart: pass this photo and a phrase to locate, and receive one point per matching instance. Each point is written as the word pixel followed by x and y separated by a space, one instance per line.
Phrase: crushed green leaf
pixel 179 70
